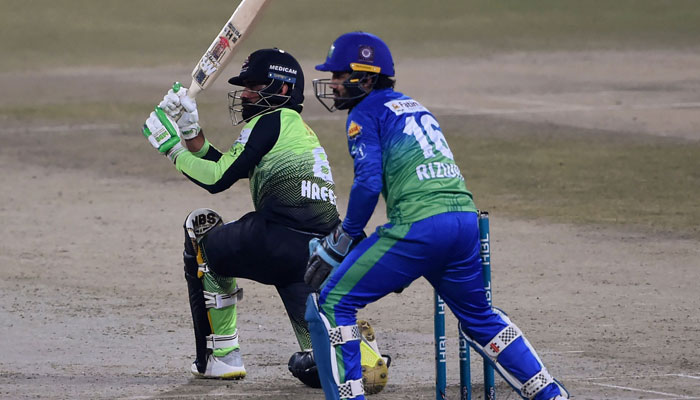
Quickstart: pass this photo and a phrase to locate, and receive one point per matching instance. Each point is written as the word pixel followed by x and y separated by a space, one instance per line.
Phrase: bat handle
pixel 191 93
pixel 194 90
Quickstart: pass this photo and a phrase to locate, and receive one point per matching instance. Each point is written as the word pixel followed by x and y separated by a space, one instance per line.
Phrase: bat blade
pixel 219 53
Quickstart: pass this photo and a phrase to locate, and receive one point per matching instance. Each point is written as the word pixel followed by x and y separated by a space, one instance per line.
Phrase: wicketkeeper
pixel 294 197
pixel 399 151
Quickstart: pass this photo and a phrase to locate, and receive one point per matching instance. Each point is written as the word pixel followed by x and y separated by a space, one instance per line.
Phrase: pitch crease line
pixel 685 376
pixel 678 396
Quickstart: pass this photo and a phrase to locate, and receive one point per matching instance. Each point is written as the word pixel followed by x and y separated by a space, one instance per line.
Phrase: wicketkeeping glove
pixel 163 134
pixel 326 254
pixel 182 109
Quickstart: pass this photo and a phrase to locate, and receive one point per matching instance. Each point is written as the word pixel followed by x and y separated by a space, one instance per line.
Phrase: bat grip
pixel 194 90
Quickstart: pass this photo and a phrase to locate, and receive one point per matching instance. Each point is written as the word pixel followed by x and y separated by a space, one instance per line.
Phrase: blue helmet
pixel 359 51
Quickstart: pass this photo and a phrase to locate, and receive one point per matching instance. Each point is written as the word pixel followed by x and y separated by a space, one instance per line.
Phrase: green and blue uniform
pixel 399 151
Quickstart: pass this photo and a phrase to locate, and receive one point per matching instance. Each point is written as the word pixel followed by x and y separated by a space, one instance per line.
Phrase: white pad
pixel 200 222
pixel 222 342
pixel 351 389
pixel 496 346
pixel 502 340
pixel 333 336
pixel 343 334
pixel 197 224
pixel 218 300
pixel 536 383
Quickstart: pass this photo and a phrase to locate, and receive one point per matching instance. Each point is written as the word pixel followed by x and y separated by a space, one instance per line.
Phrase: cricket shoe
pixel 375 365
pixel 229 366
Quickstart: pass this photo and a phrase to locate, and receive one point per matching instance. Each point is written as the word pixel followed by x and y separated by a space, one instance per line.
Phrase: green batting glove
pixel 163 134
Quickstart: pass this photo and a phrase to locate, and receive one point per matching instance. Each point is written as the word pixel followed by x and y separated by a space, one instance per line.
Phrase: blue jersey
pixel 399 151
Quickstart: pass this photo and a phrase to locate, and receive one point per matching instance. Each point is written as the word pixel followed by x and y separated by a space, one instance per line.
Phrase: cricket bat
pixel 219 53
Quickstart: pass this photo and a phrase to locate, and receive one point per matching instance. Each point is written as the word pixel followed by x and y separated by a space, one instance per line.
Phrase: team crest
pixel 354 129
pixel 366 54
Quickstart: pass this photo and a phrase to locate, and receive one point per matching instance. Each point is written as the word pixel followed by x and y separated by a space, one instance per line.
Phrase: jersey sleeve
pixel 365 149
pixel 217 172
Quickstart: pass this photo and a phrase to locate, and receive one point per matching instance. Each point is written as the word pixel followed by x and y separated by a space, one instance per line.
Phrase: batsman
pixel 398 150
pixel 293 194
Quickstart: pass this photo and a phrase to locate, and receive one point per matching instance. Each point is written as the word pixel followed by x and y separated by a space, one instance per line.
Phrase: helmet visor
pixel 355 88
pixel 242 109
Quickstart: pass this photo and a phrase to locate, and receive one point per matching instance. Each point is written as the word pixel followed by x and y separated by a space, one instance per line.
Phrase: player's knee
pixel 197 225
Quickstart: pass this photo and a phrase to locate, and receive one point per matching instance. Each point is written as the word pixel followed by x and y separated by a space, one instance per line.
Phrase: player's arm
pixel 367 185
pixel 218 174
pixel 327 253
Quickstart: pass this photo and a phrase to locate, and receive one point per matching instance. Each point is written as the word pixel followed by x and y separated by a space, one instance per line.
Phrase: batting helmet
pixel 273 68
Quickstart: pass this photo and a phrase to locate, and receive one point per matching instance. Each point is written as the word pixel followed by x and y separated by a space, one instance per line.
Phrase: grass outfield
pixel 47 34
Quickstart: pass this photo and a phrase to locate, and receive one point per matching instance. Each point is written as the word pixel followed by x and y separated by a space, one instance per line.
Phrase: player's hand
pixel 163 134
pixel 326 254
pixel 182 109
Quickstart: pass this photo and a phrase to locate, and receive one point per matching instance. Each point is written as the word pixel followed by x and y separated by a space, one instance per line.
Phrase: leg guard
pixel 541 385
pixel 213 304
pixel 325 339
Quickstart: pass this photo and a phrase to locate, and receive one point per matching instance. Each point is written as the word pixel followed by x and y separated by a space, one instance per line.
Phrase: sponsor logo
pixel 244 67
pixel 281 68
pixel 408 106
pixel 358 152
pixel 231 33
pixel 203 222
pixel 366 53
pixel 314 191
pixel 200 77
pixel 495 348
pixel 220 48
pixel 354 129
pixel 280 77
pixel 204 219
pixel 274 73
pixel 207 65
pixel 245 134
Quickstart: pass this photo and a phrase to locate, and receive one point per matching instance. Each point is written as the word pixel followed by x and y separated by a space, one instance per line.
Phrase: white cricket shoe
pixel 229 366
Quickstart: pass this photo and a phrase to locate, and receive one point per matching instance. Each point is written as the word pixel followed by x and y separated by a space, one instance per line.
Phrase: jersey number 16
pixel 428 125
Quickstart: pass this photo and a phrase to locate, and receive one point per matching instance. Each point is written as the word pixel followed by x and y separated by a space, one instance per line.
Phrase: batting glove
pixel 163 134
pixel 182 109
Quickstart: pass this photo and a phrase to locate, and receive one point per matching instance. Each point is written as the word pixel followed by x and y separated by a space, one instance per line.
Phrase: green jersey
pixel 290 176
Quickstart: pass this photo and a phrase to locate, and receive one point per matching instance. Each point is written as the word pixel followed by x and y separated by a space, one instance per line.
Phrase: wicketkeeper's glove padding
pixel 326 254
